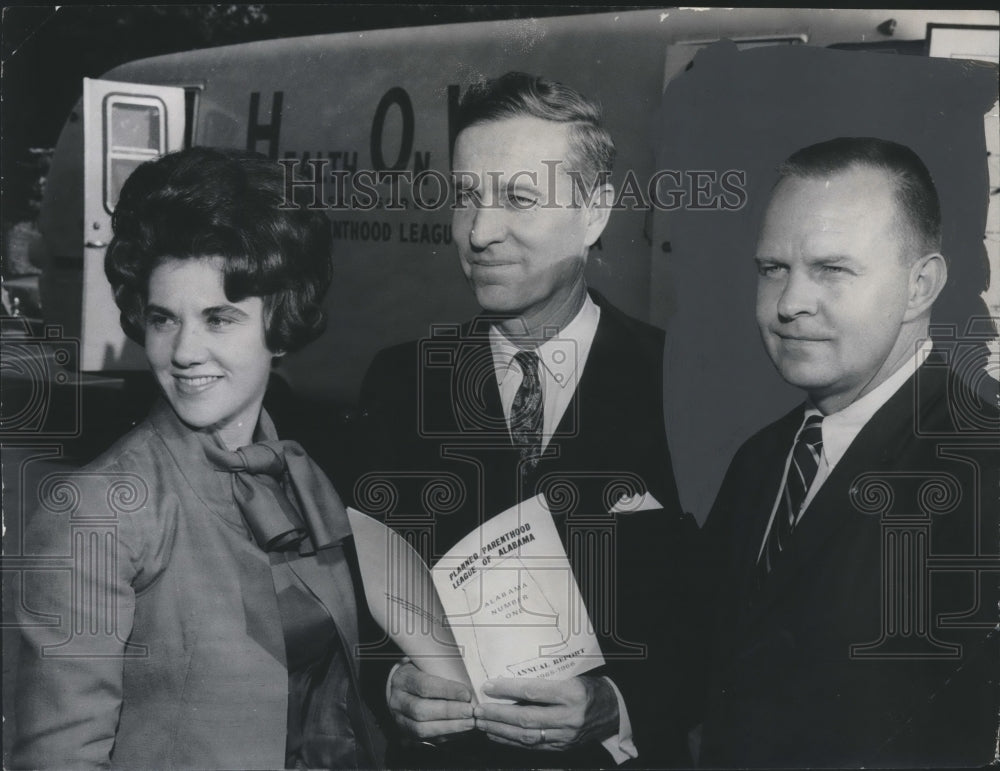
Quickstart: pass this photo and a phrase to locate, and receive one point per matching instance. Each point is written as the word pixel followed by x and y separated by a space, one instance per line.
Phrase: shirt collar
pixel 558 354
pixel 840 428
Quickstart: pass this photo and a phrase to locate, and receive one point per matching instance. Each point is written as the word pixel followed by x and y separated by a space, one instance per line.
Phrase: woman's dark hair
pixel 206 202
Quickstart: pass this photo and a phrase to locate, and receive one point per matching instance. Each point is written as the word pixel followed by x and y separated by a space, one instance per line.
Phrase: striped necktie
pixel 526 411
pixel 799 478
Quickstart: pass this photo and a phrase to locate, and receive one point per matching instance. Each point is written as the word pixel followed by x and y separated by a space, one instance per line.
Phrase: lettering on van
pixel 404 232
pixel 400 178
pixel 396 97
pixel 258 131
pixel 265 127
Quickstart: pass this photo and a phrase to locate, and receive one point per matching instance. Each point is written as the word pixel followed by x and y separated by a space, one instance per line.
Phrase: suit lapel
pixel 751 529
pixel 601 373
pixel 586 413
pixel 882 440
pixel 474 381
pixel 493 406
pixel 878 446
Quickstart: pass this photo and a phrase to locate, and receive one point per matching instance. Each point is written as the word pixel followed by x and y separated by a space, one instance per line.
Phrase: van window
pixel 134 132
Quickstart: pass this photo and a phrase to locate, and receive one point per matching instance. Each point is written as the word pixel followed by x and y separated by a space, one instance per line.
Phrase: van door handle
pixel 95 244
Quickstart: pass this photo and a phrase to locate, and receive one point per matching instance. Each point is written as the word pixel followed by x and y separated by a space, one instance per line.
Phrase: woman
pixel 212 619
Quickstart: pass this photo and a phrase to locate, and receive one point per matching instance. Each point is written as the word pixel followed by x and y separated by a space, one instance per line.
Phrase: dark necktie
pixel 801 473
pixel 526 411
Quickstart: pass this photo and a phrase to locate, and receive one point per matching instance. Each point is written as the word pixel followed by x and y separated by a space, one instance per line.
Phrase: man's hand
pixel 550 714
pixel 426 706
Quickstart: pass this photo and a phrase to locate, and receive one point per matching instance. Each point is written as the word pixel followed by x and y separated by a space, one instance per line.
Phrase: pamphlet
pixel 503 602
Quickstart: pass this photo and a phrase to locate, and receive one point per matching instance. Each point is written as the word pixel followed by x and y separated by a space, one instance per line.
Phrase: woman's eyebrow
pixel 216 309
pixel 153 308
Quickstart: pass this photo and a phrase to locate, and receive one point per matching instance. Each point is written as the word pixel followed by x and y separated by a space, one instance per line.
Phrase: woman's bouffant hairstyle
pixel 206 202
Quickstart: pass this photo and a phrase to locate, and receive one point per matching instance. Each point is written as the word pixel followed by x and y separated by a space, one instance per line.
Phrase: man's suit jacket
pixel 439 440
pixel 845 654
pixel 165 645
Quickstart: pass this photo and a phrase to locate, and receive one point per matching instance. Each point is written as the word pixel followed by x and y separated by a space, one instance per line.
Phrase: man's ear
pixel 598 210
pixel 928 275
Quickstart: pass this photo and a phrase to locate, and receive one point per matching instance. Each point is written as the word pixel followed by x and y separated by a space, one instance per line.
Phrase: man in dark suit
pixel 553 390
pixel 856 538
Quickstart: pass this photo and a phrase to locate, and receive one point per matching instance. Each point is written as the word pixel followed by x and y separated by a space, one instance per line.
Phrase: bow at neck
pixel 285 498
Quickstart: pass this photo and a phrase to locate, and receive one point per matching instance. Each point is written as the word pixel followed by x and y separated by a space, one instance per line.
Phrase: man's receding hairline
pixel 912 241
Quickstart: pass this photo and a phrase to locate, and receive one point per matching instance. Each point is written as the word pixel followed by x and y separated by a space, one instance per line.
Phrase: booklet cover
pixel 503 602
